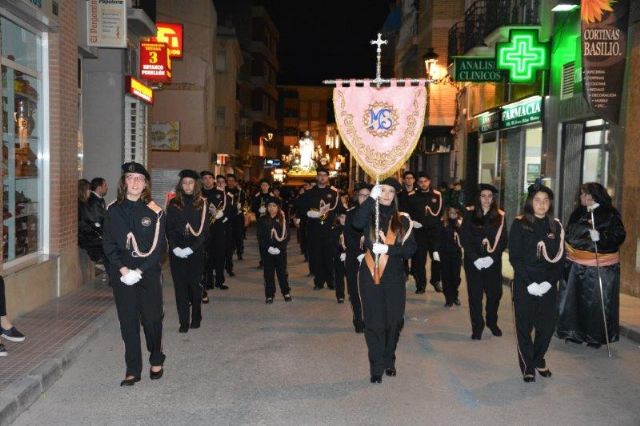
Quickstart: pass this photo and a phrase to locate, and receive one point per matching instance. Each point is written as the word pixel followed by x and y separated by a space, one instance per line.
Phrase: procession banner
pixel 604 48
pixel 380 126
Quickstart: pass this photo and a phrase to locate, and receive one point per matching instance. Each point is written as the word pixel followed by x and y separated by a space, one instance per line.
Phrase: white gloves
pixel 380 248
pixel 313 214
pixel 592 207
pixel 239 207
pixel 375 192
pixel 273 250
pixel 219 214
pixel 183 253
pixel 132 277
pixel 343 257
pixel 296 222
pixel 416 224
pixel 595 235
pixel 262 210
pixel 436 256
pixel 539 290
pixel 480 263
pixel 360 257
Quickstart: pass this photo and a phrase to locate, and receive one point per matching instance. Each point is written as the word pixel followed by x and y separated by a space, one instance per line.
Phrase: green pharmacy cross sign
pixel 523 55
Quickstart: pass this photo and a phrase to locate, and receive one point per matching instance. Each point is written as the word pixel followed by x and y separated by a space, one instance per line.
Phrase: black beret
pixel 275 200
pixel 393 183
pixel 535 188
pixel 322 169
pixel 206 173
pixel 424 175
pixel 188 173
pixel 264 181
pixel 133 167
pixel 487 187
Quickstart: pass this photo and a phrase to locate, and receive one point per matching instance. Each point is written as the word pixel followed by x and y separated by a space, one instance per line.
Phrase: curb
pixel 19 396
pixel 628 331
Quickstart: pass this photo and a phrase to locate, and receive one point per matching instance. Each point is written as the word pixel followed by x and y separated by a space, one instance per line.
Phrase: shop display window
pixel 22 138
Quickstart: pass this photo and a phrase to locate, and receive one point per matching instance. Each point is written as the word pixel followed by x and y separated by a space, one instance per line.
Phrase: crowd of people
pixel 363 246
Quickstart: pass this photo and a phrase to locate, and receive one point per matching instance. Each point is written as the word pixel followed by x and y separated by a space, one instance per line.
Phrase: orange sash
pixel 377 273
pixel 587 258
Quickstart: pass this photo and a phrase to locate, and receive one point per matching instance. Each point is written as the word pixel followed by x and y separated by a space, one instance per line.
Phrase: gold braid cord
pixel 486 244
pixel 274 233
pixel 542 247
pixel 188 227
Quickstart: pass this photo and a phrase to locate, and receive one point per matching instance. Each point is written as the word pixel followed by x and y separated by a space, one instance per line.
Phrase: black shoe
pixel 391 372
pixel 529 378
pixel 330 287
pixel 448 305
pixel 130 381
pixel 495 330
pixel 205 297
pixel 153 375
pixel 376 379
pixel 456 302
pixel 594 345
pixel 544 372
pixel 239 257
pixel 269 300
pixel 315 287
pixel 420 291
pixel 195 324
pixel 341 300
pixel 222 287
pixel 3 350
pixel 437 286
pixel 231 273
pixel 476 336
pixel 183 329
pixel 287 298
pixel 12 334
pixel 359 329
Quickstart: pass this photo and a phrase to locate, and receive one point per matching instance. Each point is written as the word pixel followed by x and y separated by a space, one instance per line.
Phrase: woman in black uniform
pixel 484 238
pixel 133 243
pixel 382 287
pixel 273 235
pixel 187 229
pixel 536 251
pixel 353 241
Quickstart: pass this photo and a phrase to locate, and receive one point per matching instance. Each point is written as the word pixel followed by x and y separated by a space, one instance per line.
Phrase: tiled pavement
pixel 50 328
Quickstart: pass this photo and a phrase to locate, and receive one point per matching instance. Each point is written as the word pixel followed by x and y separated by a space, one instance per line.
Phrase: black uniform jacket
pixel 529 265
pixel 312 198
pixel 352 236
pixel 266 237
pixel 450 240
pixel 239 197
pixel 403 198
pixel 473 234
pixel 216 198
pixel 177 219
pixel 608 224
pixel 260 200
pixel 140 219
pixel 418 203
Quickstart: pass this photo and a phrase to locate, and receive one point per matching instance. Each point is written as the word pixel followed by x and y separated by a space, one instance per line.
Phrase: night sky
pixel 326 39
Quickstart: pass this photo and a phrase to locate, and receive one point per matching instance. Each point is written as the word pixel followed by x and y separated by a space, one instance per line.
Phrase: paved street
pixel 301 364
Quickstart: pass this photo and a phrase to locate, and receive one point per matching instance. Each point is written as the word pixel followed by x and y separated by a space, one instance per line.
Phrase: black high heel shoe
pixel 376 379
pixel 544 372
pixel 155 375
pixel 130 381
pixel 529 378
pixel 391 372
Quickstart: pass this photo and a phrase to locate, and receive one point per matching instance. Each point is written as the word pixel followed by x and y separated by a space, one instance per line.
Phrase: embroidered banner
pixel 380 126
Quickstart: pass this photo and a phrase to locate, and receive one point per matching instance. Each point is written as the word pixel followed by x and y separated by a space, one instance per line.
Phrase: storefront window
pixel 533 156
pixel 489 159
pixel 596 156
pixel 22 140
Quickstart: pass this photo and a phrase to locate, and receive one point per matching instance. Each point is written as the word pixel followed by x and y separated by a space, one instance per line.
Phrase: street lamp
pixel 566 5
pixel 430 59
pixel 261 149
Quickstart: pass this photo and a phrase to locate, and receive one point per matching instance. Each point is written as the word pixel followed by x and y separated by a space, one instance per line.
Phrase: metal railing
pixel 500 13
pixel 474 25
pixel 456 41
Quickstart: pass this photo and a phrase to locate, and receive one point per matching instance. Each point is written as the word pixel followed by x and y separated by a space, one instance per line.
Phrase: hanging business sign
pixel 522 56
pixel 155 63
pixel 172 36
pixel 107 23
pixel 477 70
pixel 488 121
pixel 138 89
pixel 604 48
pixel 520 113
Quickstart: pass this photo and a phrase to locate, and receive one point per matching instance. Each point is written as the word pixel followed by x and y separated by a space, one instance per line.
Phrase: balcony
pixel 456 41
pixel 474 26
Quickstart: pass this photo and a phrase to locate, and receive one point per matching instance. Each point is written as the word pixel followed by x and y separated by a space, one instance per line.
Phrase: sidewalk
pixel 56 333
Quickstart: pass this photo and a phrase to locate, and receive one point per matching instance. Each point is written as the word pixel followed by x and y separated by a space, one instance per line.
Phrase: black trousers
pixel 351 268
pixel 136 304
pixel 533 312
pixel 450 264
pixel 215 257
pixel 237 231
pixel 339 274
pixel 321 248
pixel 186 275
pixel 426 244
pixel 383 307
pixel 483 282
pixel 275 265
pixel 3 300
pixel 229 246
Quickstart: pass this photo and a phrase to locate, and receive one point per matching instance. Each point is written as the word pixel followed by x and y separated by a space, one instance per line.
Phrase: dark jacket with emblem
pixel 177 220
pixel 311 199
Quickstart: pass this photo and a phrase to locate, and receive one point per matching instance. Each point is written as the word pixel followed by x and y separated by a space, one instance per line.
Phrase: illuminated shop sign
pixel 136 88
pixel 476 70
pixel 155 64
pixel 171 35
pixel 522 56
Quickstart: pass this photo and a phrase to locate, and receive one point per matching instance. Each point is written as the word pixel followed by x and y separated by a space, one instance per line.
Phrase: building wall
pixel 190 97
pixel 226 82
pixel 29 286
pixel 630 250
